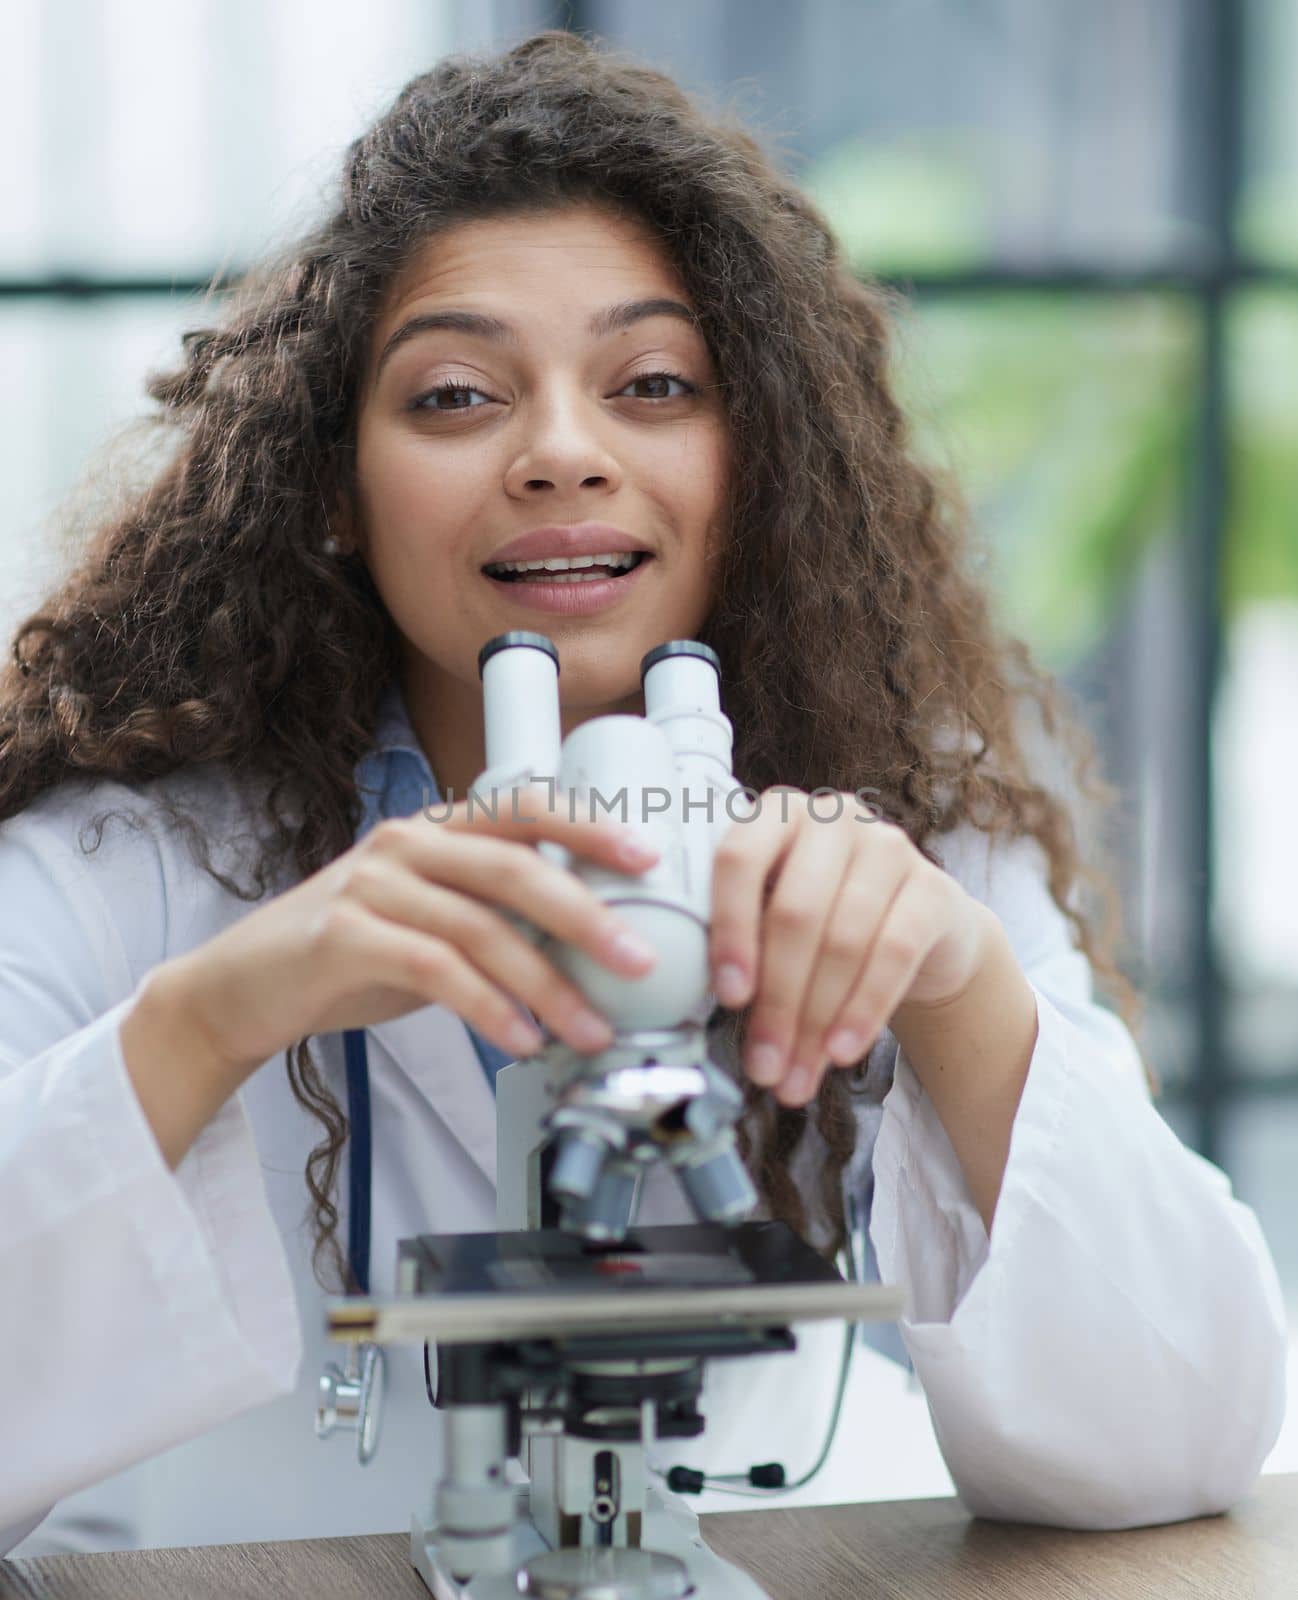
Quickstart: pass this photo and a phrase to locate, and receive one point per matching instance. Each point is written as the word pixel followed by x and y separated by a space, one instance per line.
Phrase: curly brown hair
pixel 203 622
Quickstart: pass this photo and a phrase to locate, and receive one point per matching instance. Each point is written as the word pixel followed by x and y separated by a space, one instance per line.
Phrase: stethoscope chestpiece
pixel 350 1398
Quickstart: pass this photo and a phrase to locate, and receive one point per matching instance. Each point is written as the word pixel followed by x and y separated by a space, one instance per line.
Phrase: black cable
pixel 767 1480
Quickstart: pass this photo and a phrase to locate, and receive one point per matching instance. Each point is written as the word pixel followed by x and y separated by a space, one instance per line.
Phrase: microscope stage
pixel 544 1283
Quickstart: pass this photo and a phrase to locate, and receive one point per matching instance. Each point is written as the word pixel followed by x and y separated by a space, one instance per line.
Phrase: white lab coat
pixel 1115 1357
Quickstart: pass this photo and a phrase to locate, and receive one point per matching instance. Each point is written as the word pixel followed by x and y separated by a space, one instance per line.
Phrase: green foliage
pixel 1262 548
pixel 1065 422
pixel 902 207
pixel 1068 421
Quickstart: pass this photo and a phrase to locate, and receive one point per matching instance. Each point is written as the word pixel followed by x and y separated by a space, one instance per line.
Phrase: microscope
pixel 561 1348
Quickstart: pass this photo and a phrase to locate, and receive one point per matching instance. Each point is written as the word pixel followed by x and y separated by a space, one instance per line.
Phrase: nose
pixel 562 448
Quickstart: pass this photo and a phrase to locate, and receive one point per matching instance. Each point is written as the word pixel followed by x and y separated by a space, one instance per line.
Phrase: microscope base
pixel 671 1528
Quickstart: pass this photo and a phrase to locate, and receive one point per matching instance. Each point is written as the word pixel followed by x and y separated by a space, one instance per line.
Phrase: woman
pixel 556 294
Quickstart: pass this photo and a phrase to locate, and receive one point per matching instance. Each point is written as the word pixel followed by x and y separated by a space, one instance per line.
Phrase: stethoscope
pixel 350 1397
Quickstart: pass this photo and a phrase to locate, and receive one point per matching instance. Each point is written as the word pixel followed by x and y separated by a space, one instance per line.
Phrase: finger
pixel 543 811
pixel 792 928
pixel 379 953
pixel 484 937
pixel 741 864
pixel 499 870
pixel 881 860
pixel 908 932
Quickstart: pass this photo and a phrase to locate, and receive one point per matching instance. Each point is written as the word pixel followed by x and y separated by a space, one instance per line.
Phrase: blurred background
pixel 1091 208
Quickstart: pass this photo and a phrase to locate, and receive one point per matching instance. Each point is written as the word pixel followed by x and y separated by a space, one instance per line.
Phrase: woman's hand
pixel 401 920
pixel 406 918
pixel 832 925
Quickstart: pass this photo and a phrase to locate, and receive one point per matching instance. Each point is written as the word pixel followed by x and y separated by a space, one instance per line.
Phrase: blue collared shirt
pixel 395 780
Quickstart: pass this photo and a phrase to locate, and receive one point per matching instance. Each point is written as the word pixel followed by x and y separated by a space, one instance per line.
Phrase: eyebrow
pixel 611 320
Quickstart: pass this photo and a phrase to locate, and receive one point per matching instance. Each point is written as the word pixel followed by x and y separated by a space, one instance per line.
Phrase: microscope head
pixel 654 1094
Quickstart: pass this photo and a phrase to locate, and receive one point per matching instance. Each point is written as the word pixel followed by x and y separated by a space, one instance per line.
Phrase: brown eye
pixel 455 388
pixel 662 378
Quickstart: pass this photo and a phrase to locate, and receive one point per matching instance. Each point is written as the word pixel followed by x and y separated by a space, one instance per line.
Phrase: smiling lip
pixel 576 539
pixel 575 598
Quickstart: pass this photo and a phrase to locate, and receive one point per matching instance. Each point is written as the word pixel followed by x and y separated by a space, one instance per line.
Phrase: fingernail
pixel 797 1086
pixel 637 852
pixel 589 1031
pixel 732 984
pixel 766 1064
pixel 845 1045
pixel 630 947
pixel 522 1038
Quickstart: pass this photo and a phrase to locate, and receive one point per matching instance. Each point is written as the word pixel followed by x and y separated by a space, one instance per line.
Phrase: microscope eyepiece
pixel 677 647
pixel 517 636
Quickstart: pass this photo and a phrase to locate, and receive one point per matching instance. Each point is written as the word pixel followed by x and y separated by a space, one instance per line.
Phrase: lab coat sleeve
pixel 1115 1355
pixel 140 1306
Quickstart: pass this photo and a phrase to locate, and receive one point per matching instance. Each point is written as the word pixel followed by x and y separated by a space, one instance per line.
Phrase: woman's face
pixel 470 436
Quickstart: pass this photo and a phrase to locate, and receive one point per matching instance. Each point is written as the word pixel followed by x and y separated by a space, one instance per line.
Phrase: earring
pixel 330 546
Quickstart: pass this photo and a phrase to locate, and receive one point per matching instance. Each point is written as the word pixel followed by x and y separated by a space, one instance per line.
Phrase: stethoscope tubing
pixel 359 1158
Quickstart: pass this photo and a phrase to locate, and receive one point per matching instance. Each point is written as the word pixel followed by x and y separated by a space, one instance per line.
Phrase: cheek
pixel 413 500
pixel 691 478
pixel 393 480
pixel 712 502
pixel 706 471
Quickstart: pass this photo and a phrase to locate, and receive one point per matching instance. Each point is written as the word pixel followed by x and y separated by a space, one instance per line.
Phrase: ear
pixel 345 525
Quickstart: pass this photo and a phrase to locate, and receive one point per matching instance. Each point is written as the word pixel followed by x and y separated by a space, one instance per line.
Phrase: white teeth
pixel 563 577
pixel 566 563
